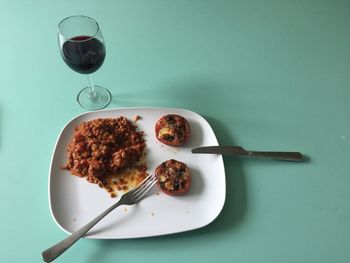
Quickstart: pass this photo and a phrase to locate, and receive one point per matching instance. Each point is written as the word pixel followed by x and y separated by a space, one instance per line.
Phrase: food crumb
pixel 113 195
pixel 136 118
pixel 152 214
pixel 157 193
pixel 187 212
pixel 74 219
pixel 125 209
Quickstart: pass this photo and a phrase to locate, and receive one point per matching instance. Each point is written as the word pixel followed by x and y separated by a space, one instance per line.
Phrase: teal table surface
pixel 267 75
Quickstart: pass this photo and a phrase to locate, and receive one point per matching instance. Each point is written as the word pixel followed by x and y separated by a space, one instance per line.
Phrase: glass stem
pixel 91 86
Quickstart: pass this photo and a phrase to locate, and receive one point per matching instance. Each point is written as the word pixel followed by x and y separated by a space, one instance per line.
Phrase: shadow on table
pixel 204 95
pixel 1 126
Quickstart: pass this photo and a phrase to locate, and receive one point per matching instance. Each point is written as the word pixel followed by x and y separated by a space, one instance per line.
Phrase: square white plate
pixel 74 201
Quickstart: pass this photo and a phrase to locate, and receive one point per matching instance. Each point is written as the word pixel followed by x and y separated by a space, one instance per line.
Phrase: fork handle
pixel 53 252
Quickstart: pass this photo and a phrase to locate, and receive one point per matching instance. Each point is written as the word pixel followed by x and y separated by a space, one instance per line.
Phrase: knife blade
pixel 240 151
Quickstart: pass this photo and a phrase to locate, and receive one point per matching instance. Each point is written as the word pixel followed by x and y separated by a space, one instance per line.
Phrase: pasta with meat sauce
pixel 108 152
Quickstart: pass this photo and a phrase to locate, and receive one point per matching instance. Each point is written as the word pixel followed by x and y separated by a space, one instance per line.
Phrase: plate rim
pixel 138 236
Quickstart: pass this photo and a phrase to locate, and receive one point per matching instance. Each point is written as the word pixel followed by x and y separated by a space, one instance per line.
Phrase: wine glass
pixel 82 48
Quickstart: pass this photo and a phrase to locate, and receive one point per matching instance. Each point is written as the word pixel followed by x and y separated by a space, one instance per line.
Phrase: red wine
pixel 83 54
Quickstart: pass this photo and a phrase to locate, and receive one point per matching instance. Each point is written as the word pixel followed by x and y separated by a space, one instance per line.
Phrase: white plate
pixel 74 201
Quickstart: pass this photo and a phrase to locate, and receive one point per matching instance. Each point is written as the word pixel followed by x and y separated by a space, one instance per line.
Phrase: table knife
pixel 240 151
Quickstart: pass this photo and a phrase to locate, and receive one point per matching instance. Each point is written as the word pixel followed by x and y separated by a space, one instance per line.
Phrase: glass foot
pixel 96 100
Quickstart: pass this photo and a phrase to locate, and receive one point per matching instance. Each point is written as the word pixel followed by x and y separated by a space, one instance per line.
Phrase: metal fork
pixel 133 196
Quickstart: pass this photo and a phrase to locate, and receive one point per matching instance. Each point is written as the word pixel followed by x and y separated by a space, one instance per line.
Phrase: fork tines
pixel 142 189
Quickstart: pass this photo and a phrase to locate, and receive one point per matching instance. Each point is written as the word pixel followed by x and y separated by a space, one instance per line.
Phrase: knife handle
pixel 285 156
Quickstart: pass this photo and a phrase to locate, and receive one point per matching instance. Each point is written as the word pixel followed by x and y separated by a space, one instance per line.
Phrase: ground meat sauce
pixel 108 152
pixel 173 177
